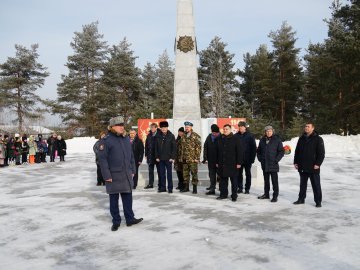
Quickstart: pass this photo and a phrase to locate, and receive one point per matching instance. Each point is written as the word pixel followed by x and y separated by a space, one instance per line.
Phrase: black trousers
pixel 151 173
pixel 23 157
pixel 275 183
pixel 136 175
pixel 180 176
pixel 127 207
pixel 212 175
pixel 224 182
pixel 315 183
pixel 247 168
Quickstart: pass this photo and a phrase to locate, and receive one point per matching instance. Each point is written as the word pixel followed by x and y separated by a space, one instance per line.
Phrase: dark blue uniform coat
pixel 116 161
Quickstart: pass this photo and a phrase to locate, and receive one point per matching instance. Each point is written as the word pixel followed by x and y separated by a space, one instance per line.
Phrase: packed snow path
pixel 52 216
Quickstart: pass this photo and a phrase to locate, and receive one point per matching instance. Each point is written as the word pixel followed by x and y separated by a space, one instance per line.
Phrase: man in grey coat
pixel 117 165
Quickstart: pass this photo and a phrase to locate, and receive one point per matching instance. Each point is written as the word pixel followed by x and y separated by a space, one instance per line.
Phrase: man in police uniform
pixel 117 165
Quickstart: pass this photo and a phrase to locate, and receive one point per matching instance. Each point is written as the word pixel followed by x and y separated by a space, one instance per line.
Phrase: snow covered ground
pixel 52 216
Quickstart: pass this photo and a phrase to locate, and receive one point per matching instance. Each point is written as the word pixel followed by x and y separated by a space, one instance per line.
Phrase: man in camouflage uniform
pixel 191 150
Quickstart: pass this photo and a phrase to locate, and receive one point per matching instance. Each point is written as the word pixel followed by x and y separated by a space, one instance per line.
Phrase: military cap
pixel 188 123
pixel 116 121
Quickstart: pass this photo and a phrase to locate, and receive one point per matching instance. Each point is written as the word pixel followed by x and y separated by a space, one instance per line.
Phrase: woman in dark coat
pixel 229 158
pixel 269 153
pixel 61 147
pixel 100 179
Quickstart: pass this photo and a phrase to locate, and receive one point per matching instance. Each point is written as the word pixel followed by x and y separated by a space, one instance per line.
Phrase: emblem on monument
pixel 185 44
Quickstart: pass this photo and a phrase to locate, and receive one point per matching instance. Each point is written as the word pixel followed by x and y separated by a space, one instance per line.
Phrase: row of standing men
pixel 227 155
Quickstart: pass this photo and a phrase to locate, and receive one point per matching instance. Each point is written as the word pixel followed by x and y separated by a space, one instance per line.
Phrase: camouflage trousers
pixel 193 169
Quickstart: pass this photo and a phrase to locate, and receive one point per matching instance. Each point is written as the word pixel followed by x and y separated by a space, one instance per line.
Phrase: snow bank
pixel 335 145
pixel 80 145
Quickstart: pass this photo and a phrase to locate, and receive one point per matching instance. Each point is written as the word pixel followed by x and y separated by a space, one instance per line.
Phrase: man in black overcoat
pixel 309 155
pixel 229 159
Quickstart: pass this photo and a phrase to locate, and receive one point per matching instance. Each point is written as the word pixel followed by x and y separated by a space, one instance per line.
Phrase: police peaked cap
pixel 164 124
pixel 188 123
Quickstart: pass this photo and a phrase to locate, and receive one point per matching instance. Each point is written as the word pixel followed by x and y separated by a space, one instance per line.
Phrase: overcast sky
pixel 150 26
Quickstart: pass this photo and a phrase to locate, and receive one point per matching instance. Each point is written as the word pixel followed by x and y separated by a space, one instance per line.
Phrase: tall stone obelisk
pixel 186 86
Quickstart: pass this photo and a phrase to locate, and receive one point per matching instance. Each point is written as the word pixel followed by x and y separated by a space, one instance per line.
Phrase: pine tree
pixel 288 73
pixel 264 84
pixel 217 80
pixel 332 91
pixel 122 84
pixel 164 87
pixel 77 93
pixel 148 93
pixel 20 77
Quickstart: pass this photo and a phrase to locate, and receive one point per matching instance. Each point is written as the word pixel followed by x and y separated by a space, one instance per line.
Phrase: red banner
pixel 233 122
pixel 144 127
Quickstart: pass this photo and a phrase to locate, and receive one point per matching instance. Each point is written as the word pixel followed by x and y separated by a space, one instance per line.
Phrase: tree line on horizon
pixel 276 86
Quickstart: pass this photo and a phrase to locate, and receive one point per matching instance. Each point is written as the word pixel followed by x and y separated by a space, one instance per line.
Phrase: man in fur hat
pixel 117 165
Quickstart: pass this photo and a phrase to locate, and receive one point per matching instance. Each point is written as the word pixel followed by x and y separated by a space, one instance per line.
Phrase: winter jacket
pixel 24 147
pixel 191 147
pixel 229 153
pixel 309 151
pixel 249 144
pixel 165 146
pixel 138 150
pixel 32 146
pixel 2 150
pixel 61 147
pixel 96 150
pixel 269 153
pixel 210 147
pixel 52 146
pixel 178 161
pixel 150 147
pixel 116 160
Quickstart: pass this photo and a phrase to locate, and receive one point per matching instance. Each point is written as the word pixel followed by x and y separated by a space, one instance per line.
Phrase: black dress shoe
pixel 134 222
pixel 170 191
pixel 247 192
pixel 233 199
pixel 274 200
pixel 264 196
pixel 318 205
pixel 115 227
pixel 210 192
pixel 98 184
pixel 221 198
pixel 208 188
pixel 240 191
pixel 149 186
pixel 177 188
pixel 299 202
pixel 185 190
pixel 161 190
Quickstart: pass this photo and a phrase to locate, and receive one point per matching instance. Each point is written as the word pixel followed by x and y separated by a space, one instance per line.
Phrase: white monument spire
pixel 186 88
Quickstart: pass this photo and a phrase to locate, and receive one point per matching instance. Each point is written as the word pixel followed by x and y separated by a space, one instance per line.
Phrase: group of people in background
pixel 21 150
